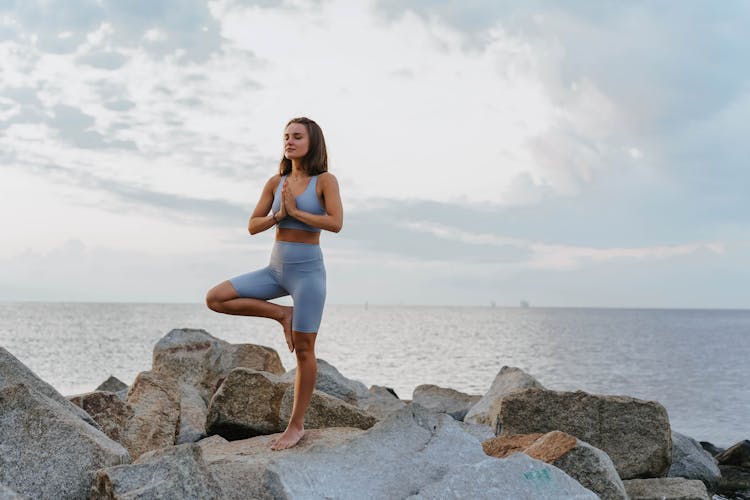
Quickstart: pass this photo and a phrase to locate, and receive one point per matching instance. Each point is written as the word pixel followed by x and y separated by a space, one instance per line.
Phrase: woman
pixel 302 199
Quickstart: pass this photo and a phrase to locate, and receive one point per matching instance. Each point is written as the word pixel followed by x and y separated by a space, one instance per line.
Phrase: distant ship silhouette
pixel 525 304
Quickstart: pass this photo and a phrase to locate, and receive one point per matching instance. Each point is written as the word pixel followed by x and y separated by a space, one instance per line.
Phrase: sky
pixel 569 154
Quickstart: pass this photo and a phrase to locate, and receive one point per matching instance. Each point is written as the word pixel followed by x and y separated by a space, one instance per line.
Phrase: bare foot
pixel 290 438
pixel 286 323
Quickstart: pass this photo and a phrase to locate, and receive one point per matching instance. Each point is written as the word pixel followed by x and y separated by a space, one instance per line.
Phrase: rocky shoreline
pixel 198 425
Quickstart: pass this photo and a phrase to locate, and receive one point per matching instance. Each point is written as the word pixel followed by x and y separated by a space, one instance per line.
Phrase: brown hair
pixel 316 160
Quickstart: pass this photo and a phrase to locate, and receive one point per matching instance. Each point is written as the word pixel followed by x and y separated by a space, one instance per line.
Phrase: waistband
pixel 293 252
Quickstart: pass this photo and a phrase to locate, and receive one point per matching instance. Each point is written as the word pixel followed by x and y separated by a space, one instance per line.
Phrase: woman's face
pixel 296 141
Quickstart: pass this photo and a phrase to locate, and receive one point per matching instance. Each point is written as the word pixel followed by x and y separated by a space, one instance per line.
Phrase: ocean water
pixel 694 362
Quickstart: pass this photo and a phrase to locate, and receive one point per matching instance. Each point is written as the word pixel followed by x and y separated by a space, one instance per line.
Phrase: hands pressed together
pixel 288 203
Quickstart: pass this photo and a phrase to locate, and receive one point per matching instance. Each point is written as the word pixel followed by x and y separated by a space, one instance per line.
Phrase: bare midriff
pixel 297 236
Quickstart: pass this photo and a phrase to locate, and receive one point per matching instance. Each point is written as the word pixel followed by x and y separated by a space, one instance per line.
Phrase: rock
pixel 487 410
pixel 666 488
pixel 518 477
pixel 246 404
pixel 110 412
pixel 326 411
pixel 176 472
pixel 588 465
pixel 709 447
pixel 380 401
pixel 197 358
pixel 250 403
pixel 12 371
pixel 8 494
pixel 47 450
pixel 240 466
pixel 444 400
pixel 734 481
pixel 737 455
pixel 691 461
pixel 479 431
pixel 196 363
pixel 156 414
pixel 112 384
pixel 333 383
pixel 634 433
pixel 409 450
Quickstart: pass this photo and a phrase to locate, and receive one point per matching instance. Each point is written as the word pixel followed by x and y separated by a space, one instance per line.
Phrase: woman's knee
pixel 304 345
pixel 219 294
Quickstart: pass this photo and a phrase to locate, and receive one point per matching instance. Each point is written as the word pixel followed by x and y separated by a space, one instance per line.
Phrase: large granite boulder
pixel 518 477
pixel 250 403
pixel 240 466
pixel 487 410
pixel 155 420
pixel 444 400
pixel 691 461
pixel 326 411
pixel 47 450
pixel 12 371
pixel 176 472
pixel 634 433
pixel 111 413
pixel 196 363
pixel 666 488
pixel 148 419
pixel 329 380
pixel 398 457
pixel 588 465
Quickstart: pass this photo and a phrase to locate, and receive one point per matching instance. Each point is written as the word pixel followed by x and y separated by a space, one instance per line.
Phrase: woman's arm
pixel 334 217
pixel 260 220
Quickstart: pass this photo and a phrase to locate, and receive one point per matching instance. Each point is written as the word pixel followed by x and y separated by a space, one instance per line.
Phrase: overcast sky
pixel 565 153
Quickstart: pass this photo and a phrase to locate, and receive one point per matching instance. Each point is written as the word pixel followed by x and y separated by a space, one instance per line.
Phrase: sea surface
pixel 694 362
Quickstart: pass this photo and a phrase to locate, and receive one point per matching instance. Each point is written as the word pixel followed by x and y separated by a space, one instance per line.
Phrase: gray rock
pixel 156 414
pixel 196 363
pixel 12 371
pixel 380 401
pixel 479 431
pixel 487 410
pixel 111 413
pixel 8 494
pixel 583 462
pixel 48 451
pixel 333 383
pixel 634 433
pixel 326 411
pixel 246 404
pixel 518 477
pixel 691 461
pixel 399 456
pixel 176 472
pixel 112 384
pixel 444 400
pixel 240 466
pixel 666 488
pixel 594 469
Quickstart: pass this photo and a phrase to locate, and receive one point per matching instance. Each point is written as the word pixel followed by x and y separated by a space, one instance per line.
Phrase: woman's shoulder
pixel 273 181
pixel 327 178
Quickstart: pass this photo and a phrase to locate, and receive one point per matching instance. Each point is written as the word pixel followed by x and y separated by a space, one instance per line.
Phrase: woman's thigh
pixel 260 284
pixel 308 291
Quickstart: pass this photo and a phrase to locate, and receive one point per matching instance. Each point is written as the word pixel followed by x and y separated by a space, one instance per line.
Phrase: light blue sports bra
pixel 308 201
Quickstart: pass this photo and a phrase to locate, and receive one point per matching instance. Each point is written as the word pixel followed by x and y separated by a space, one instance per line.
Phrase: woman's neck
pixel 297 169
